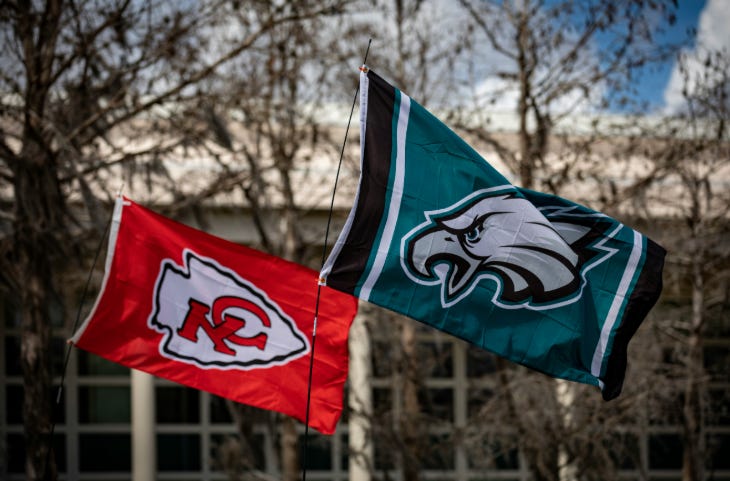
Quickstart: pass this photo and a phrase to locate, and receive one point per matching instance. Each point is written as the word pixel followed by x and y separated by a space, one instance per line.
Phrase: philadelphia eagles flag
pixel 440 236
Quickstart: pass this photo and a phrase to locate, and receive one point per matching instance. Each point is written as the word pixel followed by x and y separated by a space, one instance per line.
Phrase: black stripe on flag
pixel 642 299
pixel 349 266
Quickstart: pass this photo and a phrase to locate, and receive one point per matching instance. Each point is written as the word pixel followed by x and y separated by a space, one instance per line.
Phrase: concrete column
pixel 360 399
pixel 144 446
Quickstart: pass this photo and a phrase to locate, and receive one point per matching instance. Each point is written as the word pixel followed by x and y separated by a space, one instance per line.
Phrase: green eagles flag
pixel 440 236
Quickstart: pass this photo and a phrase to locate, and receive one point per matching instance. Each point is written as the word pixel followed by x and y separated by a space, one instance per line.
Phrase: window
pixel 178 452
pixel 718 447
pixel 491 454
pixel 319 452
pixel 219 412
pixel 437 404
pixel 92 365
pixel 476 400
pixel 177 405
pixel 625 451
pixel 436 359
pixel 479 362
pixel 105 452
pixel 665 451
pixel 438 453
pixel 104 404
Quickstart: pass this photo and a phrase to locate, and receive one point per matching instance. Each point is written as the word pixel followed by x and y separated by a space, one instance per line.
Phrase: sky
pixel 711 19
pixel 653 84
pixel 659 86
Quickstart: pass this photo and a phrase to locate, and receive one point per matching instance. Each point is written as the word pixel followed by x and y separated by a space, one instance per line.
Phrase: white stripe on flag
pixel 618 301
pixel 110 251
pixel 395 199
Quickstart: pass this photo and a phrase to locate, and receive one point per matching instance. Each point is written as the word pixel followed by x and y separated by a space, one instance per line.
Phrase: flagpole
pixel 67 356
pixel 321 281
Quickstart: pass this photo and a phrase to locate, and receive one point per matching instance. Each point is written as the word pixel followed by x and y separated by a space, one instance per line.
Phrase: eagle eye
pixel 474 233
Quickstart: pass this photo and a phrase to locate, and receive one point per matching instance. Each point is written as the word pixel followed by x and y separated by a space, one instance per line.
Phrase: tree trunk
pixel 540 451
pixel 36 223
pixel 693 439
pixel 292 249
pixel 289 451
pixel 565 395
pixel 34 353
pixel 526 163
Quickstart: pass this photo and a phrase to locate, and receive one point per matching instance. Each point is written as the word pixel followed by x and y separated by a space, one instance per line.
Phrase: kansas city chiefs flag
pixel 213 315
pixel 440 236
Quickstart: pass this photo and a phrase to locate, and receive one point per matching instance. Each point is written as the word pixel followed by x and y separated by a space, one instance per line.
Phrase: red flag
pixel 213 315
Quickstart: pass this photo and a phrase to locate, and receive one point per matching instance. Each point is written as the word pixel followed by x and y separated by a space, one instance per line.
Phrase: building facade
pixel 93 432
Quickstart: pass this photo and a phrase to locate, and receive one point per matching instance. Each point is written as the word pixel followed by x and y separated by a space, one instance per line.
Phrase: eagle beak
pixel 438 254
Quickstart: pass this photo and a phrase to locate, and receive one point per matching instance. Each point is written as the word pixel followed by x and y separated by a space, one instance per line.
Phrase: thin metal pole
pixel 59 393
pixel 319 286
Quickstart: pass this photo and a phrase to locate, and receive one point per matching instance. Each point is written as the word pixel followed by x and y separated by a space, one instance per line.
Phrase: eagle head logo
pixel 535 257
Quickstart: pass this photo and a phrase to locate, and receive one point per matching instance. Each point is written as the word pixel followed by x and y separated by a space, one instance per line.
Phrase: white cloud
pixel 711 35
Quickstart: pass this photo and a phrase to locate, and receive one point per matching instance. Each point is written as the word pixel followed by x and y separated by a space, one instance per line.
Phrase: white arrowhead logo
pixel 213 318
